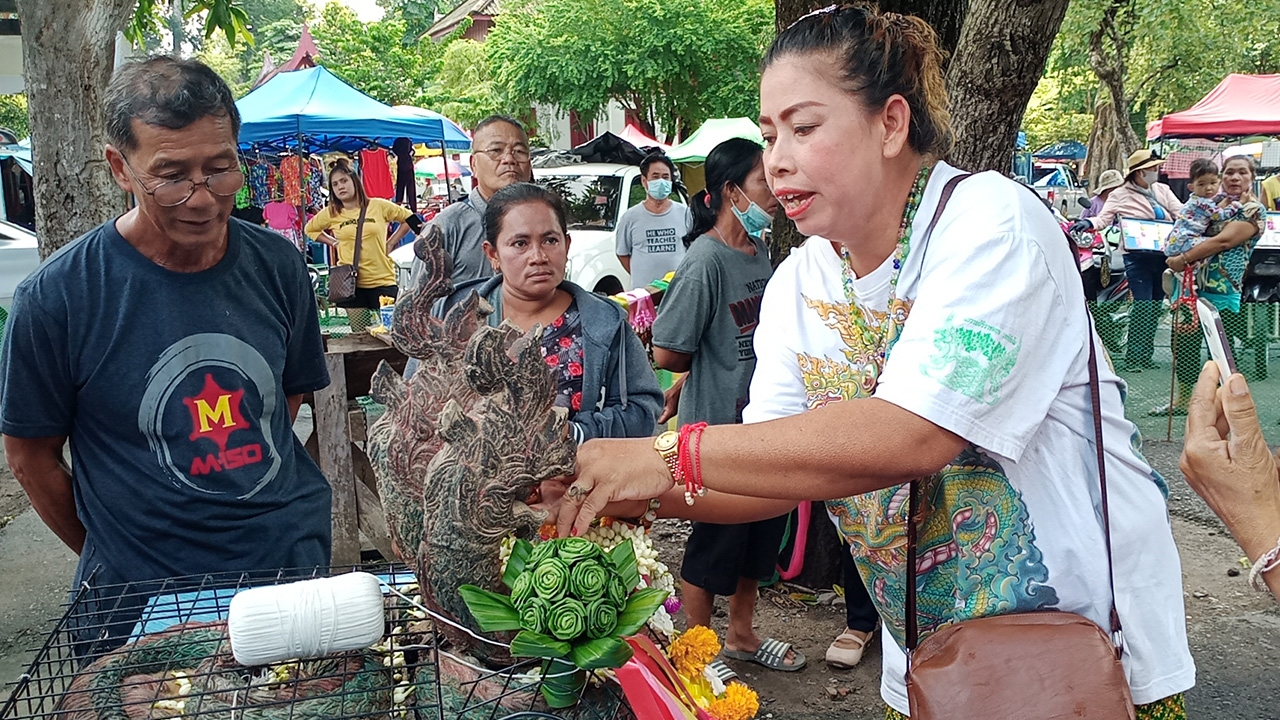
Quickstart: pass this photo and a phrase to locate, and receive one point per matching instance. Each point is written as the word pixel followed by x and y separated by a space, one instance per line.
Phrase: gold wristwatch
pixel 668 446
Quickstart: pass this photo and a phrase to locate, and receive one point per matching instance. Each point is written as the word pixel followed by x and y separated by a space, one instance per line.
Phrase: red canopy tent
pixel 637 137
pixel 1241 105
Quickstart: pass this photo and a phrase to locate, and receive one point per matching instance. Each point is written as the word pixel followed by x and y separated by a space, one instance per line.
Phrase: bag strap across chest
pixel 915 509
pixel 355 256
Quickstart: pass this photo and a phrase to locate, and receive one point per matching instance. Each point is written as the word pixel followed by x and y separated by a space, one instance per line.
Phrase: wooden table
pixel 351 361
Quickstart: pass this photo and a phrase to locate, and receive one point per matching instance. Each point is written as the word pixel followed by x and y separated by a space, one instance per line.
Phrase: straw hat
pixel 1141 160
pixel 1107 180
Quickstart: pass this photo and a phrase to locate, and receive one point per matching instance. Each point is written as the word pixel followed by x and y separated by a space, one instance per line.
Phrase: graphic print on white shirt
pixel 993 350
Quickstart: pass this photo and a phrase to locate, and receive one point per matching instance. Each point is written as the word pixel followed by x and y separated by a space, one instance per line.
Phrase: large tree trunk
pixel 67 51
pixel 946 17
pixel 1112 138
pixel 997 64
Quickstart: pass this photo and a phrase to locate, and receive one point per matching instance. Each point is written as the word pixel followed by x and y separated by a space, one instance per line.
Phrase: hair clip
pixel 821 11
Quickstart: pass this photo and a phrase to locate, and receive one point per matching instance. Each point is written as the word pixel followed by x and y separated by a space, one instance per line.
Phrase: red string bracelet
pixel 689 460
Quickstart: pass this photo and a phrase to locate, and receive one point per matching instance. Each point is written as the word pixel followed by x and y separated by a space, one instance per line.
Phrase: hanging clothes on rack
pixel 406 185
pixel 262 183
pixel 315 183
pixel 291 171
pixel 242 195
pixel 376 171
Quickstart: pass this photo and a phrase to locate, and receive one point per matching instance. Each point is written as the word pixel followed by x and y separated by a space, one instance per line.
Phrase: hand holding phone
pixel 1216 335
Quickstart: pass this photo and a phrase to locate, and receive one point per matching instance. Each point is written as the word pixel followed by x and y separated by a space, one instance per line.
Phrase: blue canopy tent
pixel 313 109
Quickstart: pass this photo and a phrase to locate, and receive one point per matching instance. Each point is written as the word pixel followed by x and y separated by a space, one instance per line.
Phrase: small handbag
pixel 1047 665
pixel 342 278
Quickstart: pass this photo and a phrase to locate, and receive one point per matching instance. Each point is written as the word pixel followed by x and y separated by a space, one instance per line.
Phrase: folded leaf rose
pixel 522 589
pixel 602 618
pixel 588 580
pixel 533 615
pixel 571 550
pixel 551 579
pixel 567 620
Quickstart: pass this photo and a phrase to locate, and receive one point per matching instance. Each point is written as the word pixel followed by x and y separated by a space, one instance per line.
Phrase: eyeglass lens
pixel 179 191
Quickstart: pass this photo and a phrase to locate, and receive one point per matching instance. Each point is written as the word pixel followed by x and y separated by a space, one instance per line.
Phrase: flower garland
pixel 691 652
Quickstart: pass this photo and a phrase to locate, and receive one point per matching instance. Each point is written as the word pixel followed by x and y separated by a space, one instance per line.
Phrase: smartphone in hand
pixel 1216 335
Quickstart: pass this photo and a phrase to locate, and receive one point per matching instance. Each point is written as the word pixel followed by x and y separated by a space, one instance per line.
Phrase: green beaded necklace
pixel 876 339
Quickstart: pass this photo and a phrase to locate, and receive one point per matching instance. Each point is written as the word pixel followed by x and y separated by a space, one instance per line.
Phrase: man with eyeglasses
pixel 499 157
pixel 172 346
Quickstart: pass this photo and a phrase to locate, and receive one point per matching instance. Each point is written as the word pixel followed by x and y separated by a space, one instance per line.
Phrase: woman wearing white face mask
pixel 1140 198
pixel 706 324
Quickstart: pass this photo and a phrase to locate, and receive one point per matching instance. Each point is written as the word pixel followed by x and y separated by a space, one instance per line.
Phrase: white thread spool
pixel 306 619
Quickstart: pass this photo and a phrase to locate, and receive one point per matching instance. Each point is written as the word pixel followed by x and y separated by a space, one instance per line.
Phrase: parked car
pixel 1058 185
pixel 19 255
pixel 596 195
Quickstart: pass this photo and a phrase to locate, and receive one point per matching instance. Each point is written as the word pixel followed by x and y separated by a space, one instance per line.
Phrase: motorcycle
pixel 1106 287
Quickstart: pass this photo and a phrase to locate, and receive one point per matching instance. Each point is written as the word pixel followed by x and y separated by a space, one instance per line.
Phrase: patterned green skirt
pixel 1170 708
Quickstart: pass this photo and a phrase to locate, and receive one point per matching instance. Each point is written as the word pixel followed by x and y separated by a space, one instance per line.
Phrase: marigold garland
pixel 691 650
pixel 739 703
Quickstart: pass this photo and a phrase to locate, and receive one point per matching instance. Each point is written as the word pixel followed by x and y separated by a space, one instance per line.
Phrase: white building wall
pixel 553 123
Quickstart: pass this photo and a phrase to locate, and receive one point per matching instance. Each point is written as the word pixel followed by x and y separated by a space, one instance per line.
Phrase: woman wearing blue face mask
pixel 705 326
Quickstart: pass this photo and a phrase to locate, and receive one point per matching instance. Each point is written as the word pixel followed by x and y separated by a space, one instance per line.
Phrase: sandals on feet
pixel 846 651
pixel 771 654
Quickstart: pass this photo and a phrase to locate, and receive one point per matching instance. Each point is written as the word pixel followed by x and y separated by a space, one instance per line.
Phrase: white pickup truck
pixel 596 194
pixel 1058 185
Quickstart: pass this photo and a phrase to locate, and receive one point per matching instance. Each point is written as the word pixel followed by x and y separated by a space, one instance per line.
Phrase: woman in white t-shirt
pixel 882 359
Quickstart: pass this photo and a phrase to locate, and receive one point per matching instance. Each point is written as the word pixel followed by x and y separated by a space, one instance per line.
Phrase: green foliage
pixel 464 89
pixel 671 65
pixel 13 114
pixel 373 57
pixel 1175 53
pixel 418 15
pixel 1061 108
pixel 227 16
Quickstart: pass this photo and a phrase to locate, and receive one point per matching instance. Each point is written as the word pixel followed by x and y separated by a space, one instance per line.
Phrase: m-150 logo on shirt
pixel 215 414
pixel 207 413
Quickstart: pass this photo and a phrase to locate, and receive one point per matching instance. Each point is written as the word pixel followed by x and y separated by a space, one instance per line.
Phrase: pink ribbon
pixel 641 311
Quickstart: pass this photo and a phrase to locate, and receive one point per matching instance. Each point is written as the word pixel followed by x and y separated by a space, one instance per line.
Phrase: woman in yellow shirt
pixel 335 226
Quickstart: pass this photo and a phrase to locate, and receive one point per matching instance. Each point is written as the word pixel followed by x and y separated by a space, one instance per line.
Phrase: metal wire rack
pixel 160 650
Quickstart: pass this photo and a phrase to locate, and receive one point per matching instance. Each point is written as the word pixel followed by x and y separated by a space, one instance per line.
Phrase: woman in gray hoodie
pixel 602 371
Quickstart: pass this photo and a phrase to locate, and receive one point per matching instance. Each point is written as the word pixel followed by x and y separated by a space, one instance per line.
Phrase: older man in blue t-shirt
pixel 172 346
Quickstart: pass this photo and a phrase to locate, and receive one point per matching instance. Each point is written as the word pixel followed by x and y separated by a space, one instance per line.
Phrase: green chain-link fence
pixel 1153 389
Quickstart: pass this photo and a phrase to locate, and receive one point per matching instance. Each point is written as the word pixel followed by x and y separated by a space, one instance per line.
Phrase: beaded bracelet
pixel 1268 562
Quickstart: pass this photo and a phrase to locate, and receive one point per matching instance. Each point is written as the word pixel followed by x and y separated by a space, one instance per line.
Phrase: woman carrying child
pixel 1220 256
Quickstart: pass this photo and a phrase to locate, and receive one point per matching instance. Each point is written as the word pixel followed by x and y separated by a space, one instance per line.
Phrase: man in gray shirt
pixel 650 236
pixel 499 157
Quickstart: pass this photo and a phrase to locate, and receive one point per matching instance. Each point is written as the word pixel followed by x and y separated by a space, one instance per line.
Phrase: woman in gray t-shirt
pixel 705 326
